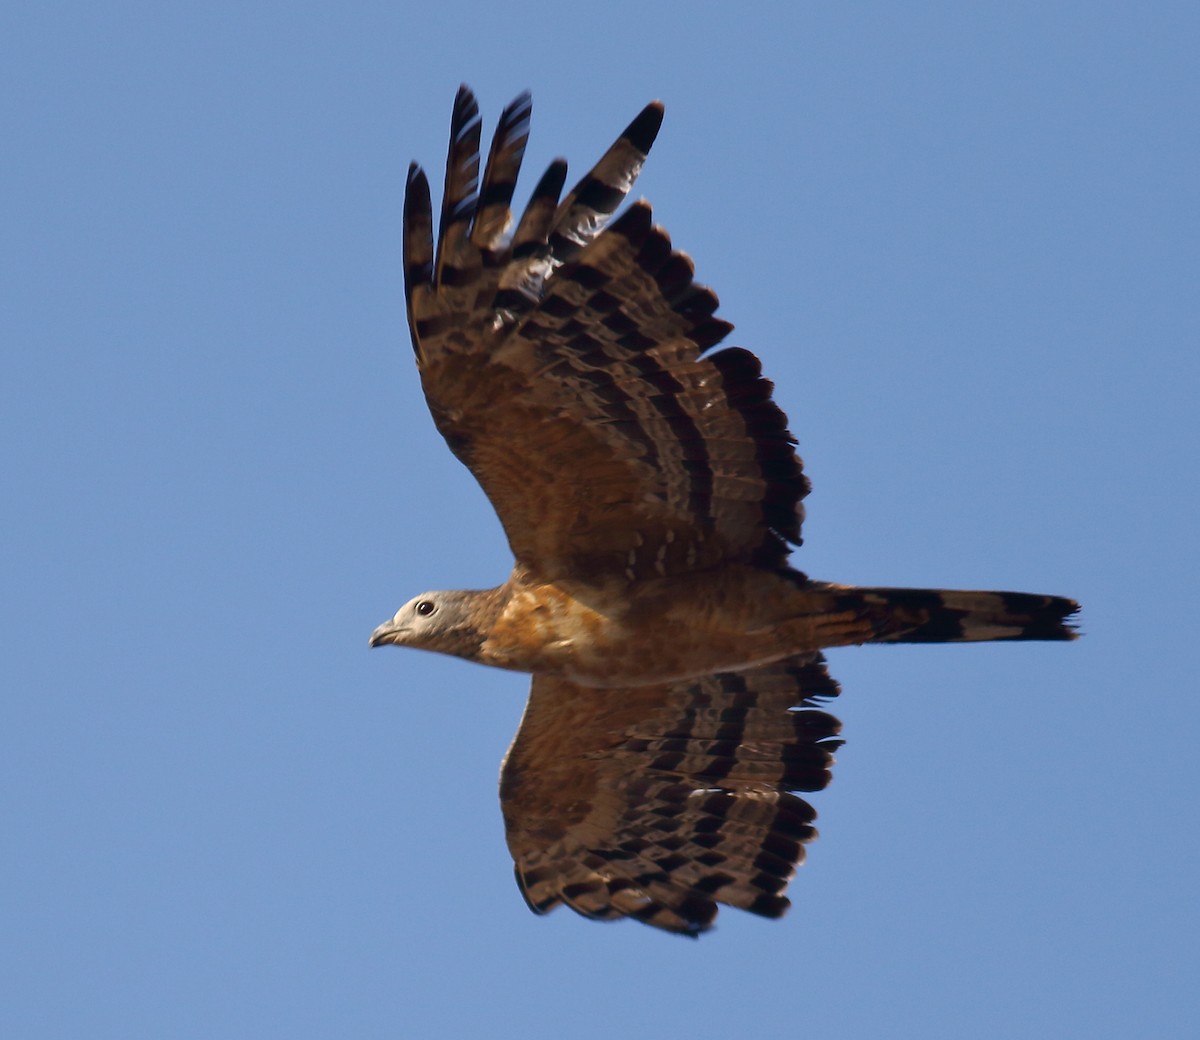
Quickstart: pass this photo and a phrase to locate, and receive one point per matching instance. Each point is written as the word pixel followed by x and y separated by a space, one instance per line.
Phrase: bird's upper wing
pixel 565 366
pixel 658 803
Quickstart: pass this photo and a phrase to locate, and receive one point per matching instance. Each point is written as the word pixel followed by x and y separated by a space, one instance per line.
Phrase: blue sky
pixel 963 239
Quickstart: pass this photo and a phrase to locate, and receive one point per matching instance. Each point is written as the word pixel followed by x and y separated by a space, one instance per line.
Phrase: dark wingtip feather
pixel 583 214
pixel 464 97
pixel 519 108
pixel 635 223
pixel 461 183
pixel 464 120
pixel 552 181
pixel 415 181
pixel 539 213
pixel 418 239
pixel 500 175
pixel 645 126
pixel 416 191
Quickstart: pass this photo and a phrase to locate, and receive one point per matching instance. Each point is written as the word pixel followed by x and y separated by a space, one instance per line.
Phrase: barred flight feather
pixel 500 175
pixel 663 802
pixel 682 456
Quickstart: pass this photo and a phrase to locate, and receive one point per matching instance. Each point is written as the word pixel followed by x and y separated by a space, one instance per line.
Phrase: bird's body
pixel 650 492
pixel 627 634
pixel 659 630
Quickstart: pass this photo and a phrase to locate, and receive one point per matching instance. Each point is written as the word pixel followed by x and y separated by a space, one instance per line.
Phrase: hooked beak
pixel 388 632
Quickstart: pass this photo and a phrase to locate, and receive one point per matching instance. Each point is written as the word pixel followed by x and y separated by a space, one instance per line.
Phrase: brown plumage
pixel 650 492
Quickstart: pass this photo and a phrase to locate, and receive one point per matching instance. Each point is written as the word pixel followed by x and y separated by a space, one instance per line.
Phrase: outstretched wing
pixel 661 802
pixel 565 366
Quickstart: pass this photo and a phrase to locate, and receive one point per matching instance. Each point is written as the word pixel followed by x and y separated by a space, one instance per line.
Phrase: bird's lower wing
pixel 661 802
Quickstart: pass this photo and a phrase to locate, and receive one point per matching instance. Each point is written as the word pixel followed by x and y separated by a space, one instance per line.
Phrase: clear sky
pixel 963 239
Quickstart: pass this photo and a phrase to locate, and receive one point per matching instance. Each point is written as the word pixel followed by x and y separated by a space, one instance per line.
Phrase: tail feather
pixel 954 616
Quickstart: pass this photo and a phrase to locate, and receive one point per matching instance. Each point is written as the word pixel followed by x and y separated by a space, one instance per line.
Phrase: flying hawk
pixel 650 492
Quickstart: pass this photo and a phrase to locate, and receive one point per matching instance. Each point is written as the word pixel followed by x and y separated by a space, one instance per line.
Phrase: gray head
pixel 449 622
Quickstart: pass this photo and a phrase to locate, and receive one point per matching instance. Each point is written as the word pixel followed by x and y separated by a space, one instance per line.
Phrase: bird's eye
pixel 425 607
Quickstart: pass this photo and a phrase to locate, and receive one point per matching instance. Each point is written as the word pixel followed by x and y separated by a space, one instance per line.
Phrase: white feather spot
pixel 659 558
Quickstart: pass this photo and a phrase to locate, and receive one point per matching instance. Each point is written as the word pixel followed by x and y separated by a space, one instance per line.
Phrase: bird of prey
pixel 650 492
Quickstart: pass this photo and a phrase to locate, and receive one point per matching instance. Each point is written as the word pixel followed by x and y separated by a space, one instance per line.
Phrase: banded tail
pixel 883 615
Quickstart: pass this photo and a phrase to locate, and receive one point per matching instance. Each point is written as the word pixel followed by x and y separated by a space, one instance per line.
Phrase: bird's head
pixel 448 622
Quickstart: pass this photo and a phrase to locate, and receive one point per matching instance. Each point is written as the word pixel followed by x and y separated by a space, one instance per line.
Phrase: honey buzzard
pixel 650 492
